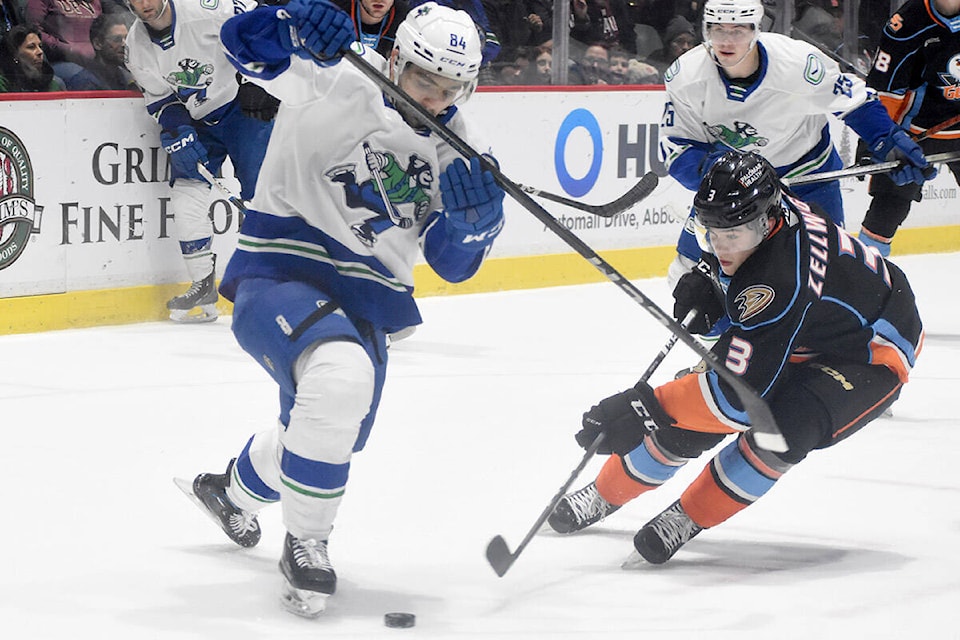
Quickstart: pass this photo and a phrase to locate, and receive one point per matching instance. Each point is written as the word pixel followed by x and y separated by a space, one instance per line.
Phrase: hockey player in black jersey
pixel 916 73
pixel 822 327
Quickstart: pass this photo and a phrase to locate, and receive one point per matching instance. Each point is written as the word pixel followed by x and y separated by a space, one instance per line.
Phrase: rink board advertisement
pixel 85 204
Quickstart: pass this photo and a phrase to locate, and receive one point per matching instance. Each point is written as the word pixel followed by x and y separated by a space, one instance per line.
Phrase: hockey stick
pixel 222 188
pixel 867 169
pixel 765 427
pixel 498 553
pixel 637 193
pixel 937 128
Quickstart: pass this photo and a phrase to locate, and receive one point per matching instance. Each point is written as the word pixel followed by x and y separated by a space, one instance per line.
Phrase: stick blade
pixel 499 556
pixel 638 192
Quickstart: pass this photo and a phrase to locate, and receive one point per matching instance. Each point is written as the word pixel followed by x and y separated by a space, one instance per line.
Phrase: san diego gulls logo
pixel 753 300
pixel 19 214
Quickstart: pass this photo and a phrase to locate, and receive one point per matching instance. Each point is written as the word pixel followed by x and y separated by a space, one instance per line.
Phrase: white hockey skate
pixel 309 578
pixel 196 304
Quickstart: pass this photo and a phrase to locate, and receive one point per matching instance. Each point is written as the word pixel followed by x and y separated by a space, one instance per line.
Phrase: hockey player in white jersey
pixel 174 53
pixel 767 93
pixel 353 187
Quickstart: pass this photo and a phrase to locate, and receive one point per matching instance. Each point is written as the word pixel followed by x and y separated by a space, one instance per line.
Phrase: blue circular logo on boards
pixel 577 187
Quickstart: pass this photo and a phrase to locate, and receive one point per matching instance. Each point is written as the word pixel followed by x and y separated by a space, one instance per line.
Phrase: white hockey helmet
pixel 749 12
pixel 441 40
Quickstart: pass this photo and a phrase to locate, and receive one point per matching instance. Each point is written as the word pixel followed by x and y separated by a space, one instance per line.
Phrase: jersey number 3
pixel 738 355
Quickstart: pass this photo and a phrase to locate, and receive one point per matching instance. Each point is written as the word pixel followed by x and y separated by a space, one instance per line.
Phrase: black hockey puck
pixel 399 620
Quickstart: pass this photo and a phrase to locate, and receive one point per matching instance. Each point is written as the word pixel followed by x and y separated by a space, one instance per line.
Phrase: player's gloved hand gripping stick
pixel 185 150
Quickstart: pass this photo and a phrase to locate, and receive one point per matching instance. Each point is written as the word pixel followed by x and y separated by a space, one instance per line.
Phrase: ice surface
pixel 475 434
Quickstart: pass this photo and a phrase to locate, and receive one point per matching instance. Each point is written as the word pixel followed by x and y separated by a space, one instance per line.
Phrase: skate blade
pixel 196 315
pixel 301 602
pixel 187 487
pixel 634 562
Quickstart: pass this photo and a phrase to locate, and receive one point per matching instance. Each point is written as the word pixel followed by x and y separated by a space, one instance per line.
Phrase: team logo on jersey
pixel 397 195
pixel 740 137
pixel 19 214
pixel 815 71
pixel 191 80
pixel 753 300
pixel 951 79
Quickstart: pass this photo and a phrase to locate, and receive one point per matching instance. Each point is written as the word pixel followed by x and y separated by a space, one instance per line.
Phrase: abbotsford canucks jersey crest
pixel 187 65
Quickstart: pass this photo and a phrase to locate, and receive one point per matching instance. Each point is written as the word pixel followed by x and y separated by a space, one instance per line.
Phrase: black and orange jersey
pixel 916 70
pixel 809 289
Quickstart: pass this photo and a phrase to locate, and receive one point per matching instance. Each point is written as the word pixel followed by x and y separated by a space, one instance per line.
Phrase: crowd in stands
pixel 77 45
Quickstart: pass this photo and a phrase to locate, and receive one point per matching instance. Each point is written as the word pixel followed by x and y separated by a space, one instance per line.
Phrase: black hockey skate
pixel 663 536
pixel 309 576
pixel 579 510
pixel 196 304
pixel 209 492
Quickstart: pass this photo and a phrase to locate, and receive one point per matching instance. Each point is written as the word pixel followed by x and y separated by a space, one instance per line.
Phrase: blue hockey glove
pixel 897 145
pixel 624 419
pixel 697 290
pixel 472 203
pixel 185 150
pixel 315 28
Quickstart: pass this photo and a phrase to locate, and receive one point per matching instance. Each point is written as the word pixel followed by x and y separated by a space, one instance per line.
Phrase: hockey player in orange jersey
pixel 823 328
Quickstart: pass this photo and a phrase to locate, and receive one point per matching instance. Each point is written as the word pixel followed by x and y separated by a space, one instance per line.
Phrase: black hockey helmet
pixel 737 189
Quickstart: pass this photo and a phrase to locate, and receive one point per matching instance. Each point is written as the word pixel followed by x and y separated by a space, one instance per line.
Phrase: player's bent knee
pixel 189 200
pixel 335 388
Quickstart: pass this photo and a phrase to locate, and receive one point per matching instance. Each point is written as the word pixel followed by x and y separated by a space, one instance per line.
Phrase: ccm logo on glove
pixel 183 142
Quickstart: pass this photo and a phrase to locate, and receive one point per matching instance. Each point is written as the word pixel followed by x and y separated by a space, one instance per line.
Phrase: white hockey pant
pixel 335 385
pixel 190 202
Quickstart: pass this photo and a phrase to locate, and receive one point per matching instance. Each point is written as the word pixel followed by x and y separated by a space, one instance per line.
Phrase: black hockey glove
pixel 255 102
pixel 624 419
pixel 696 289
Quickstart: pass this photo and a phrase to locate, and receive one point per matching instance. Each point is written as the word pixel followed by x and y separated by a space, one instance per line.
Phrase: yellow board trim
pixel 147 303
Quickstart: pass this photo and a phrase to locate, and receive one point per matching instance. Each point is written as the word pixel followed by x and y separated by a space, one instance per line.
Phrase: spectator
pixel 376 21
pixel 604 21
pixel 678 38
pixel 65 28
pixel 476 11
pixel 593 66
pixel 640 72
pixel 11 15
pixel 619 66
pixel 107 71
pixel 513 66
pixel 658 13
pixel 821 23
pixel 23 66
pixel 542 68
pixel 519 24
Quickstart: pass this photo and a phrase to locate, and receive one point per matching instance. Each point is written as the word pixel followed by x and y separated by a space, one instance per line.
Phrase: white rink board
pixel 98 175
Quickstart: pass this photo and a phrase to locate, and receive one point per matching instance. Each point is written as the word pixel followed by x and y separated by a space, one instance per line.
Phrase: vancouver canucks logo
pixel 753 300
pixel 396 194
pixel 951 79
pixel 19 214
pixel 741 136
pixel 191 80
